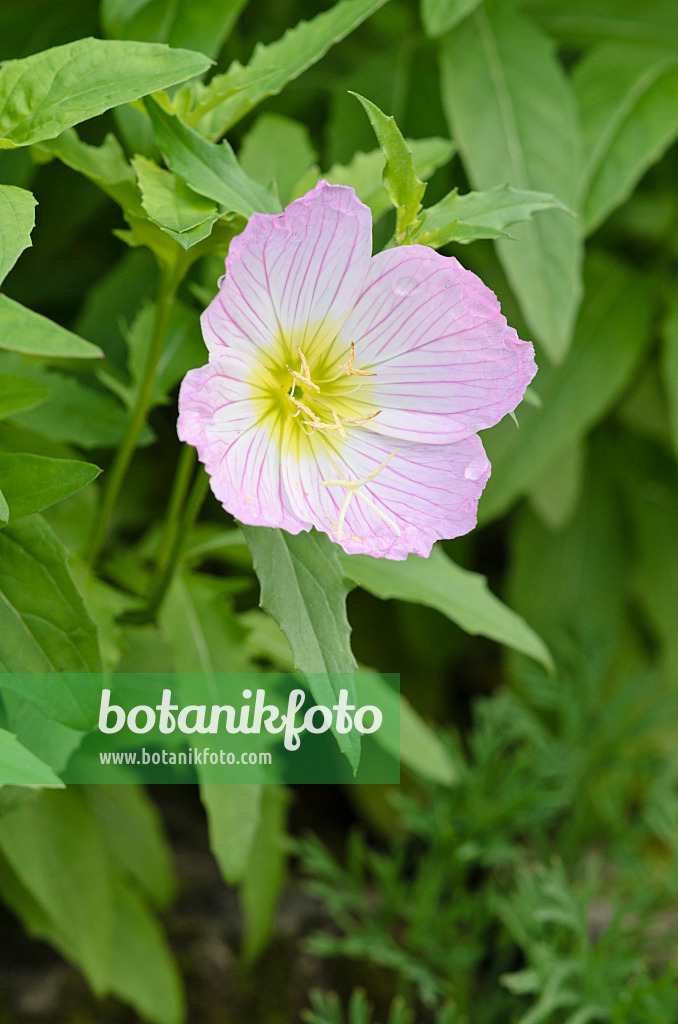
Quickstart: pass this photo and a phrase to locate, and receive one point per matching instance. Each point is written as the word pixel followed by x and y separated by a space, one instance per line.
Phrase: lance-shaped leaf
pixel 53 90
pixel 211 170
pixel 480 214
pixel 303 588
pixel 23 330
pixel 511 109
pixel 460 595
pixel 186 216
pixel 33 482
pixel 628 98
pixel 230 96
pixel 404 188
pixel 17 218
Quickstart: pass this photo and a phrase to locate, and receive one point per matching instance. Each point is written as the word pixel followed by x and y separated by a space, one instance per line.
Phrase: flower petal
pixel 446 363
pixel 218 415
pixel 421 494
pixel 287 272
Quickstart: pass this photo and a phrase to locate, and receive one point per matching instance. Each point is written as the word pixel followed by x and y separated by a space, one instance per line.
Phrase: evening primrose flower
pixel 344 391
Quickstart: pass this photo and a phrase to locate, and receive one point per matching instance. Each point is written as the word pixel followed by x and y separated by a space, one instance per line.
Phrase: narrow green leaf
pixel 480 214
pixel 105 165
pixel 34 482
pixel 263 880
pixel 198 25
pixel 628 98
pixel 43 623
pixel 53 90
pixel 19 393
pixel 230 96
pixel 404 188
pixel 612 334
pixel 17 218
pixel 439 16
pixel 4 509
pixel 172 204
pixel 364 172
pixel 199 624
pixel 518 122
pixel 233 816
pixel 302 587
pixel 460 595
pixel 211 170
pixel 22 330
pixel 20 767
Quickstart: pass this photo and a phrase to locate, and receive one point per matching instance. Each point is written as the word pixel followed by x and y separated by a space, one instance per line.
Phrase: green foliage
pixel 22 330
pixel 17 219
pixel 197 26
pixel 20 767
pixel 32 483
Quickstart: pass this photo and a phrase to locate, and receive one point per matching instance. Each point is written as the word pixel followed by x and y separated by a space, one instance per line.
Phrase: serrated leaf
pixel 628 99
pixel 172 204
pixel 404 188
pixel 17 219
pixel 19 393
pixel 23 330
pixel 302 588
pixel 518 122
pixel 612 334
pixel 20 767
pixel 461 596
pixel 43 623
pixel 211 170
pixel 230 96
pixel 33 482
pixel 198 25
pixel 439 16
pixel 480 214
pixel 57 88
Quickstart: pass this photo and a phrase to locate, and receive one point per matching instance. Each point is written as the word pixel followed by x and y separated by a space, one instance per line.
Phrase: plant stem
pixel 168 285
pixel 178 528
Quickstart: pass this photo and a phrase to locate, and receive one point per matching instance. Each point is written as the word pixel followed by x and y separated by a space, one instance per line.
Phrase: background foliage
pixel 525 870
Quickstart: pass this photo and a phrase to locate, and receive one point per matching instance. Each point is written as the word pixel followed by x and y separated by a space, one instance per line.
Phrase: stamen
pixel 351 369
pixel 352 487
pixel 301 407
pixel 305 376
pixel 361 419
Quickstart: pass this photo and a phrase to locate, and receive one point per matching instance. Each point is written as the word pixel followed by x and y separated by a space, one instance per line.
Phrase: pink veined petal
pixel 446 362
pixel 218 416
pixel 291 271
pixel 424 492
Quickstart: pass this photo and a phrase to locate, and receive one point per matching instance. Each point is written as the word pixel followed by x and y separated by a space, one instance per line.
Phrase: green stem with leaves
pixel 169 282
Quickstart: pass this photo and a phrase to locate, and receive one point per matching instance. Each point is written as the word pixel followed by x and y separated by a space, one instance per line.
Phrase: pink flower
pixel 344 390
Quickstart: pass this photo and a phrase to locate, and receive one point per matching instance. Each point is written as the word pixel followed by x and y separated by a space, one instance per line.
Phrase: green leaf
pixel 582 22
pixel 669 366
pixel 556 492
pixel 4 509
pixel 302 588
pixel 460 595
pixel 628 98
pixel 19 767
pixel 43 623
pixel 231 96
pixel 277 149
pixel 53 90
pixel 19 393
pixel 198 25
pixel 233 817
pixel 518 122
pixel 105 165
pixel 17 219
pixel 263 880
pixel 211 170
pixel 22 330
pixel 173 205
pixel 612 335
pixel 364 172
pixel 404 188
pixel 199 624
pixel 439 16
pixel 480 214
pixel 33 482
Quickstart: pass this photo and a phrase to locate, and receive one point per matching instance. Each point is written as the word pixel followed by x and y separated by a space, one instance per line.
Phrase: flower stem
pixel 168 285
pixel 178 527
